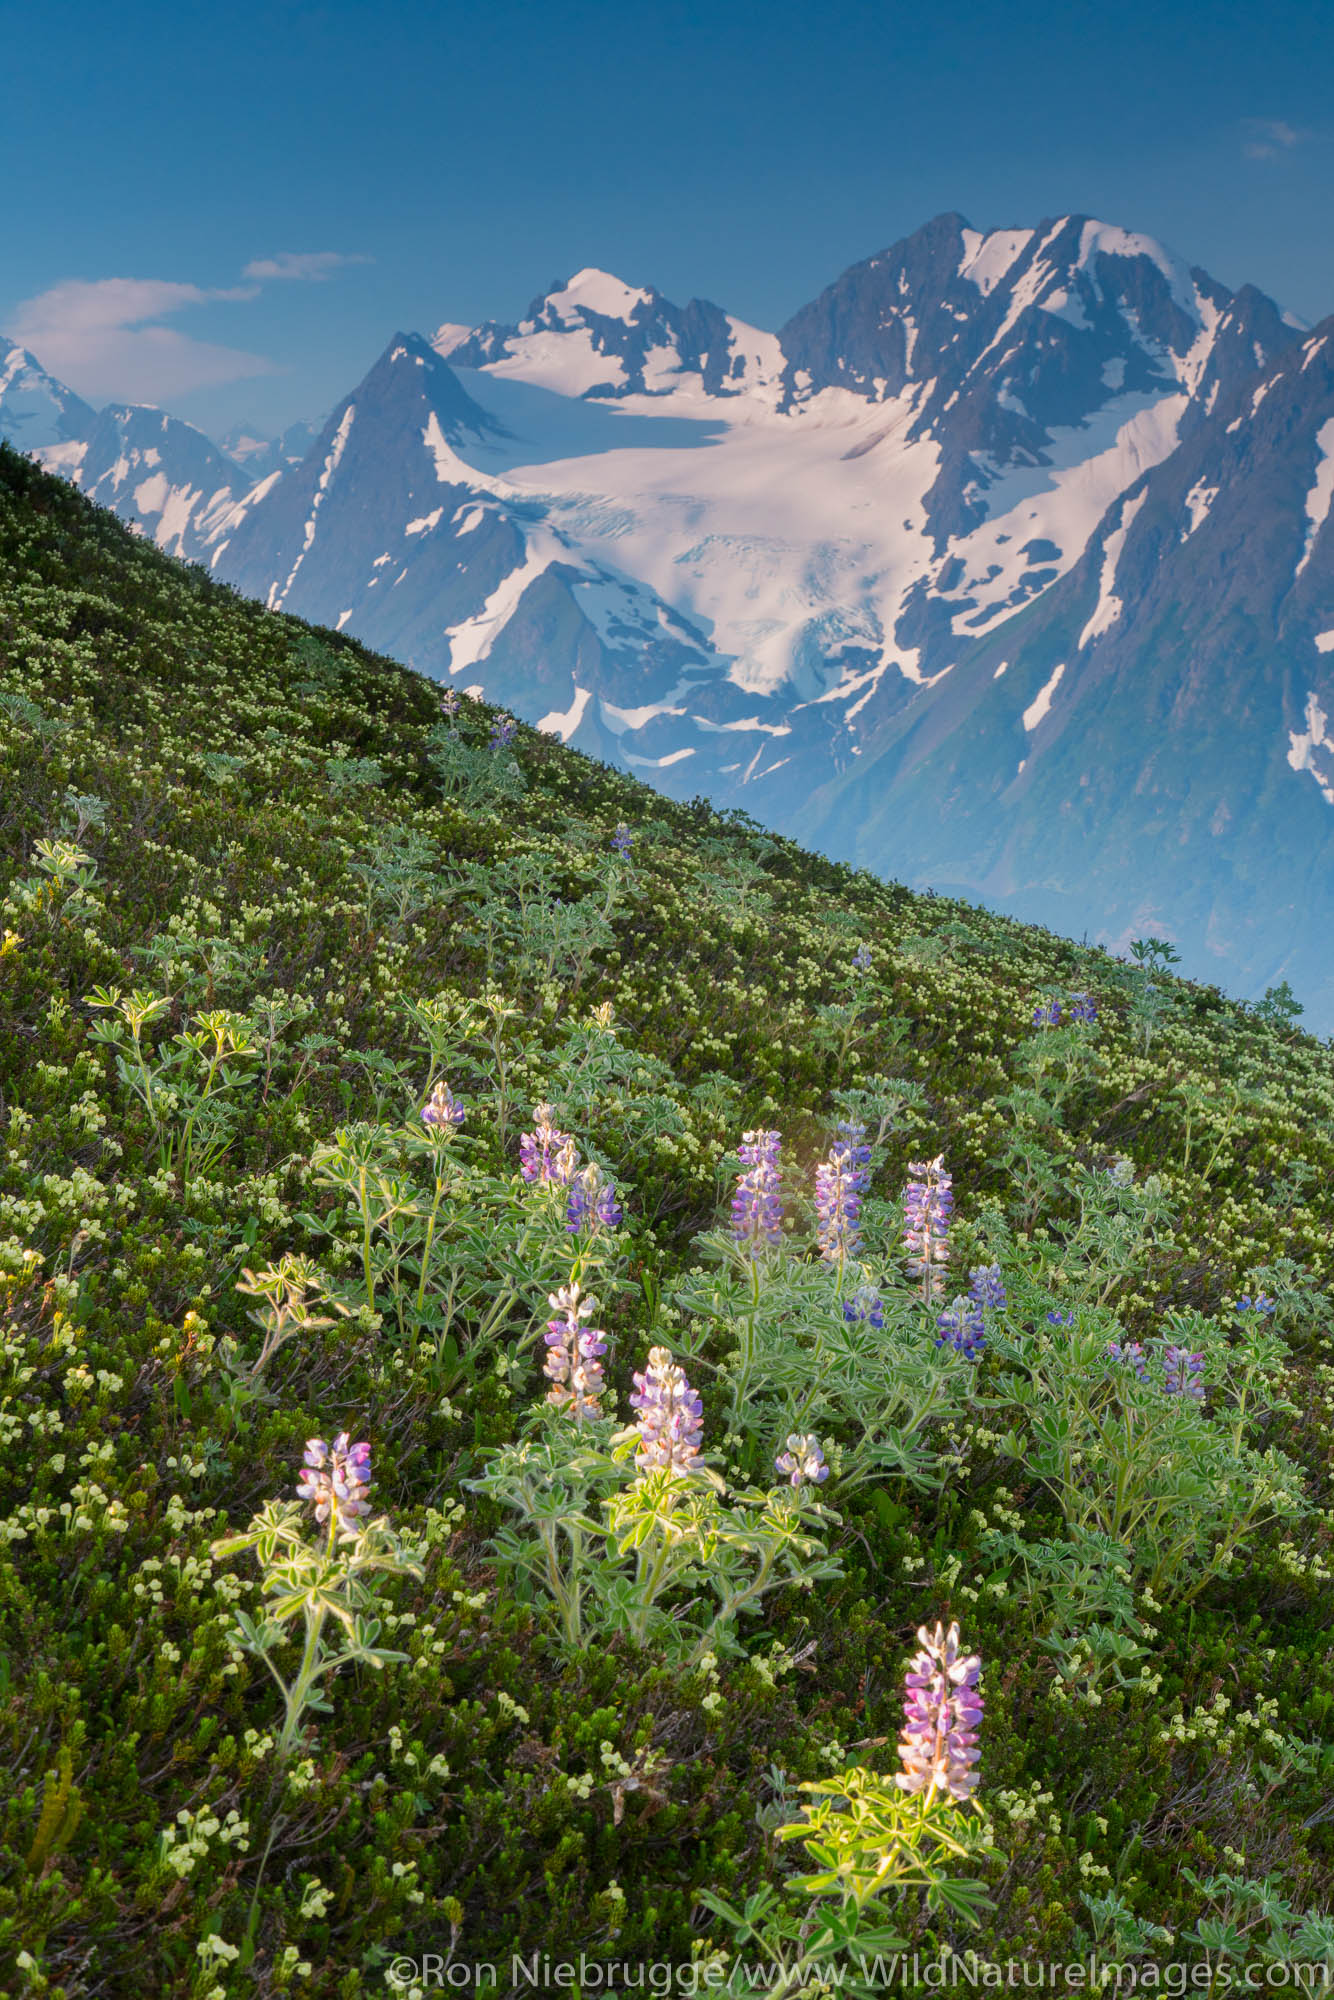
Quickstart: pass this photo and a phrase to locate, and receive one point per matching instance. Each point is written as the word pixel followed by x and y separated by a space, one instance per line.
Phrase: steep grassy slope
pixel 260 899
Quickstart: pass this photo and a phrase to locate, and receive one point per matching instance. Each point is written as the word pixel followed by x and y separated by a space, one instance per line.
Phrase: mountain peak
pixel 595 336
pixel 411 347
pixel 1107 239
pixel 409 384
pixel 36 411
pixel 599 292
pixel 449 335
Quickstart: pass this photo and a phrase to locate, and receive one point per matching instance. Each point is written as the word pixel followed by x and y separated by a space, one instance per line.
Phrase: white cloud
pixel 104 338
pixel 309 265
pixel 1270 137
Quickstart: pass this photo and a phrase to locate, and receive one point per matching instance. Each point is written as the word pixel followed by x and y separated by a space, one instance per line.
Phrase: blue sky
pixel 229 210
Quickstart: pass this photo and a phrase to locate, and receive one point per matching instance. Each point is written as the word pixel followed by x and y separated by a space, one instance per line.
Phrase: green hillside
pixel 265 904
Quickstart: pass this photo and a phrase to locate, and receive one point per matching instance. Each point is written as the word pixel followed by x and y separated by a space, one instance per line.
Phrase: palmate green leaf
pixel 1215 1934
pixel 747 1921
pixel 627 1536
pixel 258 1635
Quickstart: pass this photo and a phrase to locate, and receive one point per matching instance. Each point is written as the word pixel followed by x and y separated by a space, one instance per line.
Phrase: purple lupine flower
pixel 839 1184
pixel 802 1461
pixel 861 958
pixel 592 1203
pixel 502 732
pixel 621 840
pixel 546 1154
pixel 1060 1319
pixel 1083 1007
pixel 1132 1354
pixel 850 1135
pixel 941 1714
pixel 760 1149
pixel 986 1287
pixel 442 1110
pixel 928 1203
pixel 337 1478
pixel 865 1304
pixel 757 1204
pixel 1048 1016
pixel 671 1416
pixel 963 1328
pixel 573 1365
pixel 1182 1373
pixel 1258 1304
pixel 449 703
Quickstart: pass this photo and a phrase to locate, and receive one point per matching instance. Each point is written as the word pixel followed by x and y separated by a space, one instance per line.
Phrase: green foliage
pixel 613 1552
pixel 868 1843
pixel 258 901
pixel 320 1585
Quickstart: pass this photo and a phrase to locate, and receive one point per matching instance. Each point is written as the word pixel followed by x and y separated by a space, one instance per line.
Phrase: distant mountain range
pixel 1004 566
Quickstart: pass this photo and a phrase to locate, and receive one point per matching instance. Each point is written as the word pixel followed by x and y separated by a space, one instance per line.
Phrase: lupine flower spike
pixel 757 1205
pixel 941 1714
pixel 502 733
pixel 546 1154
pixel 803 1461
pixel 850 1137
pixel 573 1365
pixel 621 840
pixel 840 1182
pixel 1131 1354
pixel 449 703
pixel 337 1478
pixel 1081 1008
pixel 928 1203
pixel 861 958
pixel 1182 1373
pixel 986 1287
pixel 443 1109
pixel 592 1204
pixel 963 1328
pixel 865 1304
pixel 670 1416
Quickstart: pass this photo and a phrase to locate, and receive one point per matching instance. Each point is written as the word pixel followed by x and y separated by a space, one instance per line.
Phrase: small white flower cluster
pixel 182 1846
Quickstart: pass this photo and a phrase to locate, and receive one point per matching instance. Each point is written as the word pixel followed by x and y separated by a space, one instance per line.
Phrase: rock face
pixel 1004 566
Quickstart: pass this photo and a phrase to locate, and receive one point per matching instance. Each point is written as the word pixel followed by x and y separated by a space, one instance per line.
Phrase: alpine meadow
pixel 530 1307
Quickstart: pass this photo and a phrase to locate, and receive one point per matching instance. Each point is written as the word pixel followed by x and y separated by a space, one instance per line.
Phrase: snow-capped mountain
pixel 37 413
pixel 420 545
pixel 161 475
pixel 593 335
pixel 923 451
pixel 832 514
pixel 1003 562
pixel 1150 746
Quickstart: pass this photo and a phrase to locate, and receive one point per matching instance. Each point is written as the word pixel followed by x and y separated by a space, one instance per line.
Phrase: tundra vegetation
pixel 526 1308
